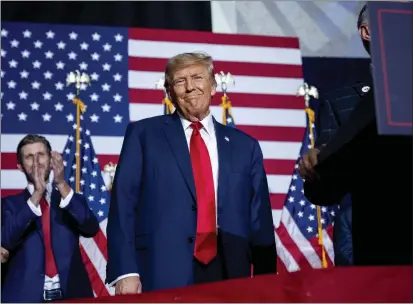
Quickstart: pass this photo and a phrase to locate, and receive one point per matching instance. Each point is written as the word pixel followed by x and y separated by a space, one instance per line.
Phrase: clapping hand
pixel 4 255
pixel 38 175
pixel 56 162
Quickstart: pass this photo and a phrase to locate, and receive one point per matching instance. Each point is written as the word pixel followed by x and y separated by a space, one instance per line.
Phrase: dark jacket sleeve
pixel 334 178
pixel 343 244
pixel 85 221
pixel 15 222
pixel 264 253
pixel 323 124
pixel 124 199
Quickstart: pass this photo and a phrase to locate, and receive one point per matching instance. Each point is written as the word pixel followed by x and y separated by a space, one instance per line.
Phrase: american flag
pixel 124 65
pixel 297 236
pixel 92 186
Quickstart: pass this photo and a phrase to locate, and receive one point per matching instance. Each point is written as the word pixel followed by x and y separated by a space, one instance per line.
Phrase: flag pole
pixel 223 80
pixel 307 92
pixel 160 84
pixel 78 79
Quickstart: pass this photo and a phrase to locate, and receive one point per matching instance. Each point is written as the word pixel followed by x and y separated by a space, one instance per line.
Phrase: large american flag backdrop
pixel 124 64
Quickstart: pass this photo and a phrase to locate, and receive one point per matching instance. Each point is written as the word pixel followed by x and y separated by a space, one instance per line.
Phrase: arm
pixel 15 223
pixel 325 123
pixel 263 250
pixel 330 186
pixel 83 218
pixel 335 170
pixel 122 260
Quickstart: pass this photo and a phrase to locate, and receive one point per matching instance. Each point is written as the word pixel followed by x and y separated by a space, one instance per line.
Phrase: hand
pixel 129 285
pixel 58 168
pixel 307 164
pixel 39 174
pixel 4 255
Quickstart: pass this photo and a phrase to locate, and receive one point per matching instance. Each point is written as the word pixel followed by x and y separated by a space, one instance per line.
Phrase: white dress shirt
pixel 49 283
pixel 210 139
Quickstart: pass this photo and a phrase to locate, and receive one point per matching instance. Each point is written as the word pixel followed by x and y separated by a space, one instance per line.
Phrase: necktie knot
pixel 197 125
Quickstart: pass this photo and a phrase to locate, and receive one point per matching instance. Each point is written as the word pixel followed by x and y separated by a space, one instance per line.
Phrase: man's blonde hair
pixel 183 60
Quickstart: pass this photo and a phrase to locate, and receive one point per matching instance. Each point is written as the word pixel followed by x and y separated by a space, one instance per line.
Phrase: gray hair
pixel 186 59
pixel 363 16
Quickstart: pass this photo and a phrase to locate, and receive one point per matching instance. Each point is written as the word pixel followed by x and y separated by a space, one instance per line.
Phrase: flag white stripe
pixel 103 224
pixel 285 256
pixel 305 246
pixel 276 217
pixel 328 245
pixel 111 145
pixel 244 84
pixel 14 179
pixel 243 116
pixel 97 259
pixel 220 52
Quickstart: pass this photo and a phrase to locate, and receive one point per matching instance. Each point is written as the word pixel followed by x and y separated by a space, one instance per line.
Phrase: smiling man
pixel 190 201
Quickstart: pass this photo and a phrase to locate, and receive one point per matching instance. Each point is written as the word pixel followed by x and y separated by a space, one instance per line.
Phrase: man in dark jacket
pixel 335 108
pixel 376 171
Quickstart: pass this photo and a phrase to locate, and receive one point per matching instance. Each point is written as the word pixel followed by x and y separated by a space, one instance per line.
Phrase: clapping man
pixel 41 228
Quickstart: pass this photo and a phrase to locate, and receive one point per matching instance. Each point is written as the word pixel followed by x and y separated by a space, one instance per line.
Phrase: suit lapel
pixel 224 161
pixel 175 135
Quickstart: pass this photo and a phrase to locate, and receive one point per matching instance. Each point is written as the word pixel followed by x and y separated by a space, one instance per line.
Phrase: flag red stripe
pixel 9 161
pixel 292 247
pixel 97 284
pixel 100 240
pixel 7 192
pixel 211 38
pixel 237 99
pixel 277 200
pixel 318 250
pixel 270 133
pixel 279 166
pixel 236 68
pixel 281 269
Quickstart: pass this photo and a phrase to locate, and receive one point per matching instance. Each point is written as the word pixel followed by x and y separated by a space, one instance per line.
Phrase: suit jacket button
pixel 190 240
pixel 194 208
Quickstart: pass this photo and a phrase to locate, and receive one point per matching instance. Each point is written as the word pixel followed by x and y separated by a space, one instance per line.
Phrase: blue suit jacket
pixel 152 217
pixel 22 235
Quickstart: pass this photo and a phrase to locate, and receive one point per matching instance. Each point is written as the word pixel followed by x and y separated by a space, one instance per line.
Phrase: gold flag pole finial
pixel 110 169
pixel 223 80
pixel 160 85
pixel 79 80
pixel 307 92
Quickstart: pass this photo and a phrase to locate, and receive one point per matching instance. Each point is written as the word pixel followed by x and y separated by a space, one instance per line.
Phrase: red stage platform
pixel 361 284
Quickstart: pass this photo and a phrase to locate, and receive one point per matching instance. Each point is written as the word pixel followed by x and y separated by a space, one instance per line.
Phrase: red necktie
pixel 51 269
pixel 206 238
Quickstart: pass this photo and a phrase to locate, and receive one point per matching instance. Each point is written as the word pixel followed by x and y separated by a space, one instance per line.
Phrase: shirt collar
pixel 207 122
pixel 49 185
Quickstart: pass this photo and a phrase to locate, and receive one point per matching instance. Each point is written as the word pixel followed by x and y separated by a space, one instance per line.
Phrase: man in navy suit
pixel 41 228
pixel 190 201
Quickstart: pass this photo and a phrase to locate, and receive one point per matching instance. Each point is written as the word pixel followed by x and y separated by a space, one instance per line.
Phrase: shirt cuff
pixel 64 202
pixel 122 277
pixel 36 209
